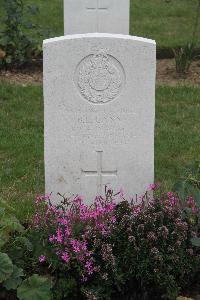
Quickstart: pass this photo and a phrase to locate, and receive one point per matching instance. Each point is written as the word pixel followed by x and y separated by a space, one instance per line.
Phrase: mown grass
pixel 177 140
pixel 169 22
pixel 21 146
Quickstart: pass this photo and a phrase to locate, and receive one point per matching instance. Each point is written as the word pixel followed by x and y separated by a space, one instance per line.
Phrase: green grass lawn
pixel 169 22
pixel 21 134
pixel 21 146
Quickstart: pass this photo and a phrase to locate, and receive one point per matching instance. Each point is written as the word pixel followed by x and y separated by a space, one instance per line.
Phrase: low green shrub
pixel 113 249
pixel 185 54
pixel 15 283
pixel 189 183
pixel 183 58
pixel 124 250
pixel 18 38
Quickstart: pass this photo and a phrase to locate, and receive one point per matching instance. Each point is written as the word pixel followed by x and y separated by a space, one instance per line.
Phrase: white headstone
pixel 83 16
pixel 99 93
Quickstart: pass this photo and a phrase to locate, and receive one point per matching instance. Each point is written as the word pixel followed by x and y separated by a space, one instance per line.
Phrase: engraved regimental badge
pixel 99 77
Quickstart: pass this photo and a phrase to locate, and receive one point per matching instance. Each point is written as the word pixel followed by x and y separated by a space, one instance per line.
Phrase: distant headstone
pixel 83 16
pixel 99 93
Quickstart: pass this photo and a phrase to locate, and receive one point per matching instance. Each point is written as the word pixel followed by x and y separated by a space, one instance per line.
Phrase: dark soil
pixel 166 74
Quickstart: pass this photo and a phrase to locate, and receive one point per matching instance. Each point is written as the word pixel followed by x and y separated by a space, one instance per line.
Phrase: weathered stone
pixel 83 16
pixel 99 92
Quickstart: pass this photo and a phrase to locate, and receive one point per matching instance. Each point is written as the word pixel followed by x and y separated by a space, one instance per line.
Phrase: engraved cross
pixel 97 6
pixel 99 173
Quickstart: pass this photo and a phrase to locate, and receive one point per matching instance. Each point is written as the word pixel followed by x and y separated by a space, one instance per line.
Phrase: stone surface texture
pixel 99 97
pixel 109 16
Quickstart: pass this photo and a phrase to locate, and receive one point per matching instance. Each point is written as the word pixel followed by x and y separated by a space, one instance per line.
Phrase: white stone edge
pixel 98 35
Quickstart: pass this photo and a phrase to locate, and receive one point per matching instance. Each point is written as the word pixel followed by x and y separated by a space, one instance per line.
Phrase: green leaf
pixel 4 204
pixel 67 287
pixel 12 224
pixel 181 187
pixel 6 267
pixel 195 193
pixel 8 59
pixel 2 211
pixel 35 288
pixel 187 210
pixel 15 279
pixel 195 241
pixel 25 242
pixel 4 238
pixel 185 189
pixel 8 224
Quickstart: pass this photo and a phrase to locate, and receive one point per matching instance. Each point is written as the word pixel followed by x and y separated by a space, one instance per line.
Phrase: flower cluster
pixel 113 241
pixel 72 228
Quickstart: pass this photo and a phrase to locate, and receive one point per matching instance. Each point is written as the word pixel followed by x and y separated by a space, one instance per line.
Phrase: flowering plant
pixel 115 247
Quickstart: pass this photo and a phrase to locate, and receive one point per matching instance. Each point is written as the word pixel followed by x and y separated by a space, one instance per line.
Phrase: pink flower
pixel 59 236
pixel 42 198
pixel 75 246
pixel 131 239
pixel 170 194
pixel 153 186
pixel 67 232
pixel 78 199
pixel 173 200
pixel 113 219
pixel 62 221
pixel 51 238
pixel 154 250
pixel 65 257
pixel 136 210
pixel 84 278
pixel 190 251
pixel 192 205
pixel 178 243
pixel 89 267
pixel 156 270
pixel 151 236
pixel 163 231
pixel 42 258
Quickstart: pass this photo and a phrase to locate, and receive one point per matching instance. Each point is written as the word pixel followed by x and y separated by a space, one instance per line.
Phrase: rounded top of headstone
pixel 99 35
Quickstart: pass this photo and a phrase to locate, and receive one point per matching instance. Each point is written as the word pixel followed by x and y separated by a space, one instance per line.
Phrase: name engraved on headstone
pixel 103 128
pixel 99 77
